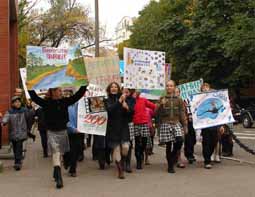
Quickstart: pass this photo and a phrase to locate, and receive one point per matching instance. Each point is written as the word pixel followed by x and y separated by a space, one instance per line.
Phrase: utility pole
pixel 96 28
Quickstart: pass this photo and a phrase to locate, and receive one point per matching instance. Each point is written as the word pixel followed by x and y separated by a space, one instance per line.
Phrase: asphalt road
pixel 228 179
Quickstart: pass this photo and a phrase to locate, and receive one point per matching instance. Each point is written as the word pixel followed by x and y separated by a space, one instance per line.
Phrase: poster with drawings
pixel 92 116
pixel 144 69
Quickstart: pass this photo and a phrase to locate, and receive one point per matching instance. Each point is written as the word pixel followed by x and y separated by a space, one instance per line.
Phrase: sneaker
pixel 208 166
pixel 217 159
pixel 73 174
pixel 171 170
pixel 180 165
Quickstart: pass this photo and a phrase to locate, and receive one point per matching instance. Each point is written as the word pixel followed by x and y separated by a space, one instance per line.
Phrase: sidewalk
pixel 229 179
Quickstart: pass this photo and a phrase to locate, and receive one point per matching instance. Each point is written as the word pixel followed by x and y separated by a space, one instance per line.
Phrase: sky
pixel 111 11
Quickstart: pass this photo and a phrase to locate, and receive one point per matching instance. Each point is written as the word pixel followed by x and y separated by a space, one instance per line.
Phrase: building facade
pixel 9 77
pixel 122 30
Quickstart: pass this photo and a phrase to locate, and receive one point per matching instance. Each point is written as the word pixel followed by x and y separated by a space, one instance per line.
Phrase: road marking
pixel 245 138
pixel 245 134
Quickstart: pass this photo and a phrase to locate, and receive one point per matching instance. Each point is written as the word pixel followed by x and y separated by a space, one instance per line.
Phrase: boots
pixel 59 180
pixel 128 161
pixel 120 171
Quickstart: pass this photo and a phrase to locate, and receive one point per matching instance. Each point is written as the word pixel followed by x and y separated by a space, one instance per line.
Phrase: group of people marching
pixel 129 126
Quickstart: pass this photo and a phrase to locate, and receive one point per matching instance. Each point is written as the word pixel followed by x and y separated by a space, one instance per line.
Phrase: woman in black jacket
pixel 56 119
pixel 117 134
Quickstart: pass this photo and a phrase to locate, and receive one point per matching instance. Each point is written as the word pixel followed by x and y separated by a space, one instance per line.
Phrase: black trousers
pixel 227 144
pixel 189 142
pixel 18 150
pixel 44 141
pixel 140 147
pixel 210 139
pixel 71 158
pixel 172 149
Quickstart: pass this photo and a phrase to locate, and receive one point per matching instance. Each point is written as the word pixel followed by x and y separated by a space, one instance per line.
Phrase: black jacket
pixel 131 105
pixel 41 120
pixel 56 111
pixel 117 125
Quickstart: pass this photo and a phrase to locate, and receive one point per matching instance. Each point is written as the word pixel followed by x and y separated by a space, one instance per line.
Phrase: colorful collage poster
pixel 144 69
pixel 49 67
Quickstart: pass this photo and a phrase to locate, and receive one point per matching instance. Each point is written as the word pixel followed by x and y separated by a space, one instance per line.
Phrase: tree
pixel 209 39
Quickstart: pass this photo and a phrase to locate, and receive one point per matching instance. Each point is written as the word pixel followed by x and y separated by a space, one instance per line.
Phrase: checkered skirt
pixel 142 130
pixel 169 132
pixel 131 131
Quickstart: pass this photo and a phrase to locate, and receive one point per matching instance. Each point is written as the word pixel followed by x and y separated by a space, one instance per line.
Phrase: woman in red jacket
pixel 142 131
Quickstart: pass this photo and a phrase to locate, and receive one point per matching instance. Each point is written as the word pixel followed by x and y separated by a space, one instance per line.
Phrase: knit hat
pixel 15 98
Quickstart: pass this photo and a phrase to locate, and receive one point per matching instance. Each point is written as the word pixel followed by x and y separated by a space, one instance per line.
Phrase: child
pixel 17 119
pixel 173 124
pixel 142 130
pixel 210 138
pixel 117 134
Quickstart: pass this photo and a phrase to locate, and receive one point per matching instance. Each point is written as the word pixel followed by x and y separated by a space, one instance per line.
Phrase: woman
pixel 210 137
pixel 56 119
pixel 130 100
pixel 142 130
pixel 117 133
pixel 173 124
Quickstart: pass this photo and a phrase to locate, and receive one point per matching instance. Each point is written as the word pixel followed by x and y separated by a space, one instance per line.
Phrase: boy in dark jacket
pixel 17 119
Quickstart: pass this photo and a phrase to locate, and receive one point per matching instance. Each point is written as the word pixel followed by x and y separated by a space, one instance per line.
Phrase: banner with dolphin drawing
pixel 211 109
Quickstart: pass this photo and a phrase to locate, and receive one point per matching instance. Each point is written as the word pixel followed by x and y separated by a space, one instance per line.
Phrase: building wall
pixel 8 56
pixel 123 29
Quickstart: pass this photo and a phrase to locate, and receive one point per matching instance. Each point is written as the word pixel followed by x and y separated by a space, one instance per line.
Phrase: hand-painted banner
pixel 92 116
pixel 188 89
pixel 103 70
pixel 95 90
pixel 144 69
pixel 49 67
pixel 211 109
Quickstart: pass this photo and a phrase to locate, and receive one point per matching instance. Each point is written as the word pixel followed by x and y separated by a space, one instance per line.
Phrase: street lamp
pixel 96 29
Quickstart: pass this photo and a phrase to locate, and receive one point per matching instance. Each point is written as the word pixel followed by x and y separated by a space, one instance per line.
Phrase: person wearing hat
pixel 17 119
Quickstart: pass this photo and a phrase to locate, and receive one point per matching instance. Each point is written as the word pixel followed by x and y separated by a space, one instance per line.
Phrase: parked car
pixel 247 105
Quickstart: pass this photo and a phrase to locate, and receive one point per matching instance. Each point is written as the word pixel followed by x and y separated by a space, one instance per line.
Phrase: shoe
pixel 217 159
pixel 81 158
pixel 101 165
pixel 59 180
pixel 180 165
pixel 191 160
pixel 73 174
pixel 17 167
pixel 139 165
pixel 171 170
pixel 45 155
pixel 120 171
pixel 208 166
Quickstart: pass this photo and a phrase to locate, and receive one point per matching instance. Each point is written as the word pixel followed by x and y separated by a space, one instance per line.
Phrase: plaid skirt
pixel 142 130
pixel 58 142
pixel 169 132
pixel 131 131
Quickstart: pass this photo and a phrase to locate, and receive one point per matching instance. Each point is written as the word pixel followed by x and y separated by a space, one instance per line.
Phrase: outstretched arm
pixel 38 100
pixel 77 96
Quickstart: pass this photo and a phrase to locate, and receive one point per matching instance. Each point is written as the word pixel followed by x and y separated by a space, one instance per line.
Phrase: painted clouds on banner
pixel 144 69
pixel 49 67
pixel 103 70
pixel 92 116
pixel 211 109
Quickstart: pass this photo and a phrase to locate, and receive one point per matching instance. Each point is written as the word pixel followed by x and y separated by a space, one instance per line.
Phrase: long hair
pixel 108 89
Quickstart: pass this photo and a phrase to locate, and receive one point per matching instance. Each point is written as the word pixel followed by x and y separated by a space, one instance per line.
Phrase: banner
pixel 144 69
pixel 95 90
pixel 103 70
pixel 92 116
pixel 211 109
pixel 188 89
pixel 49 67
